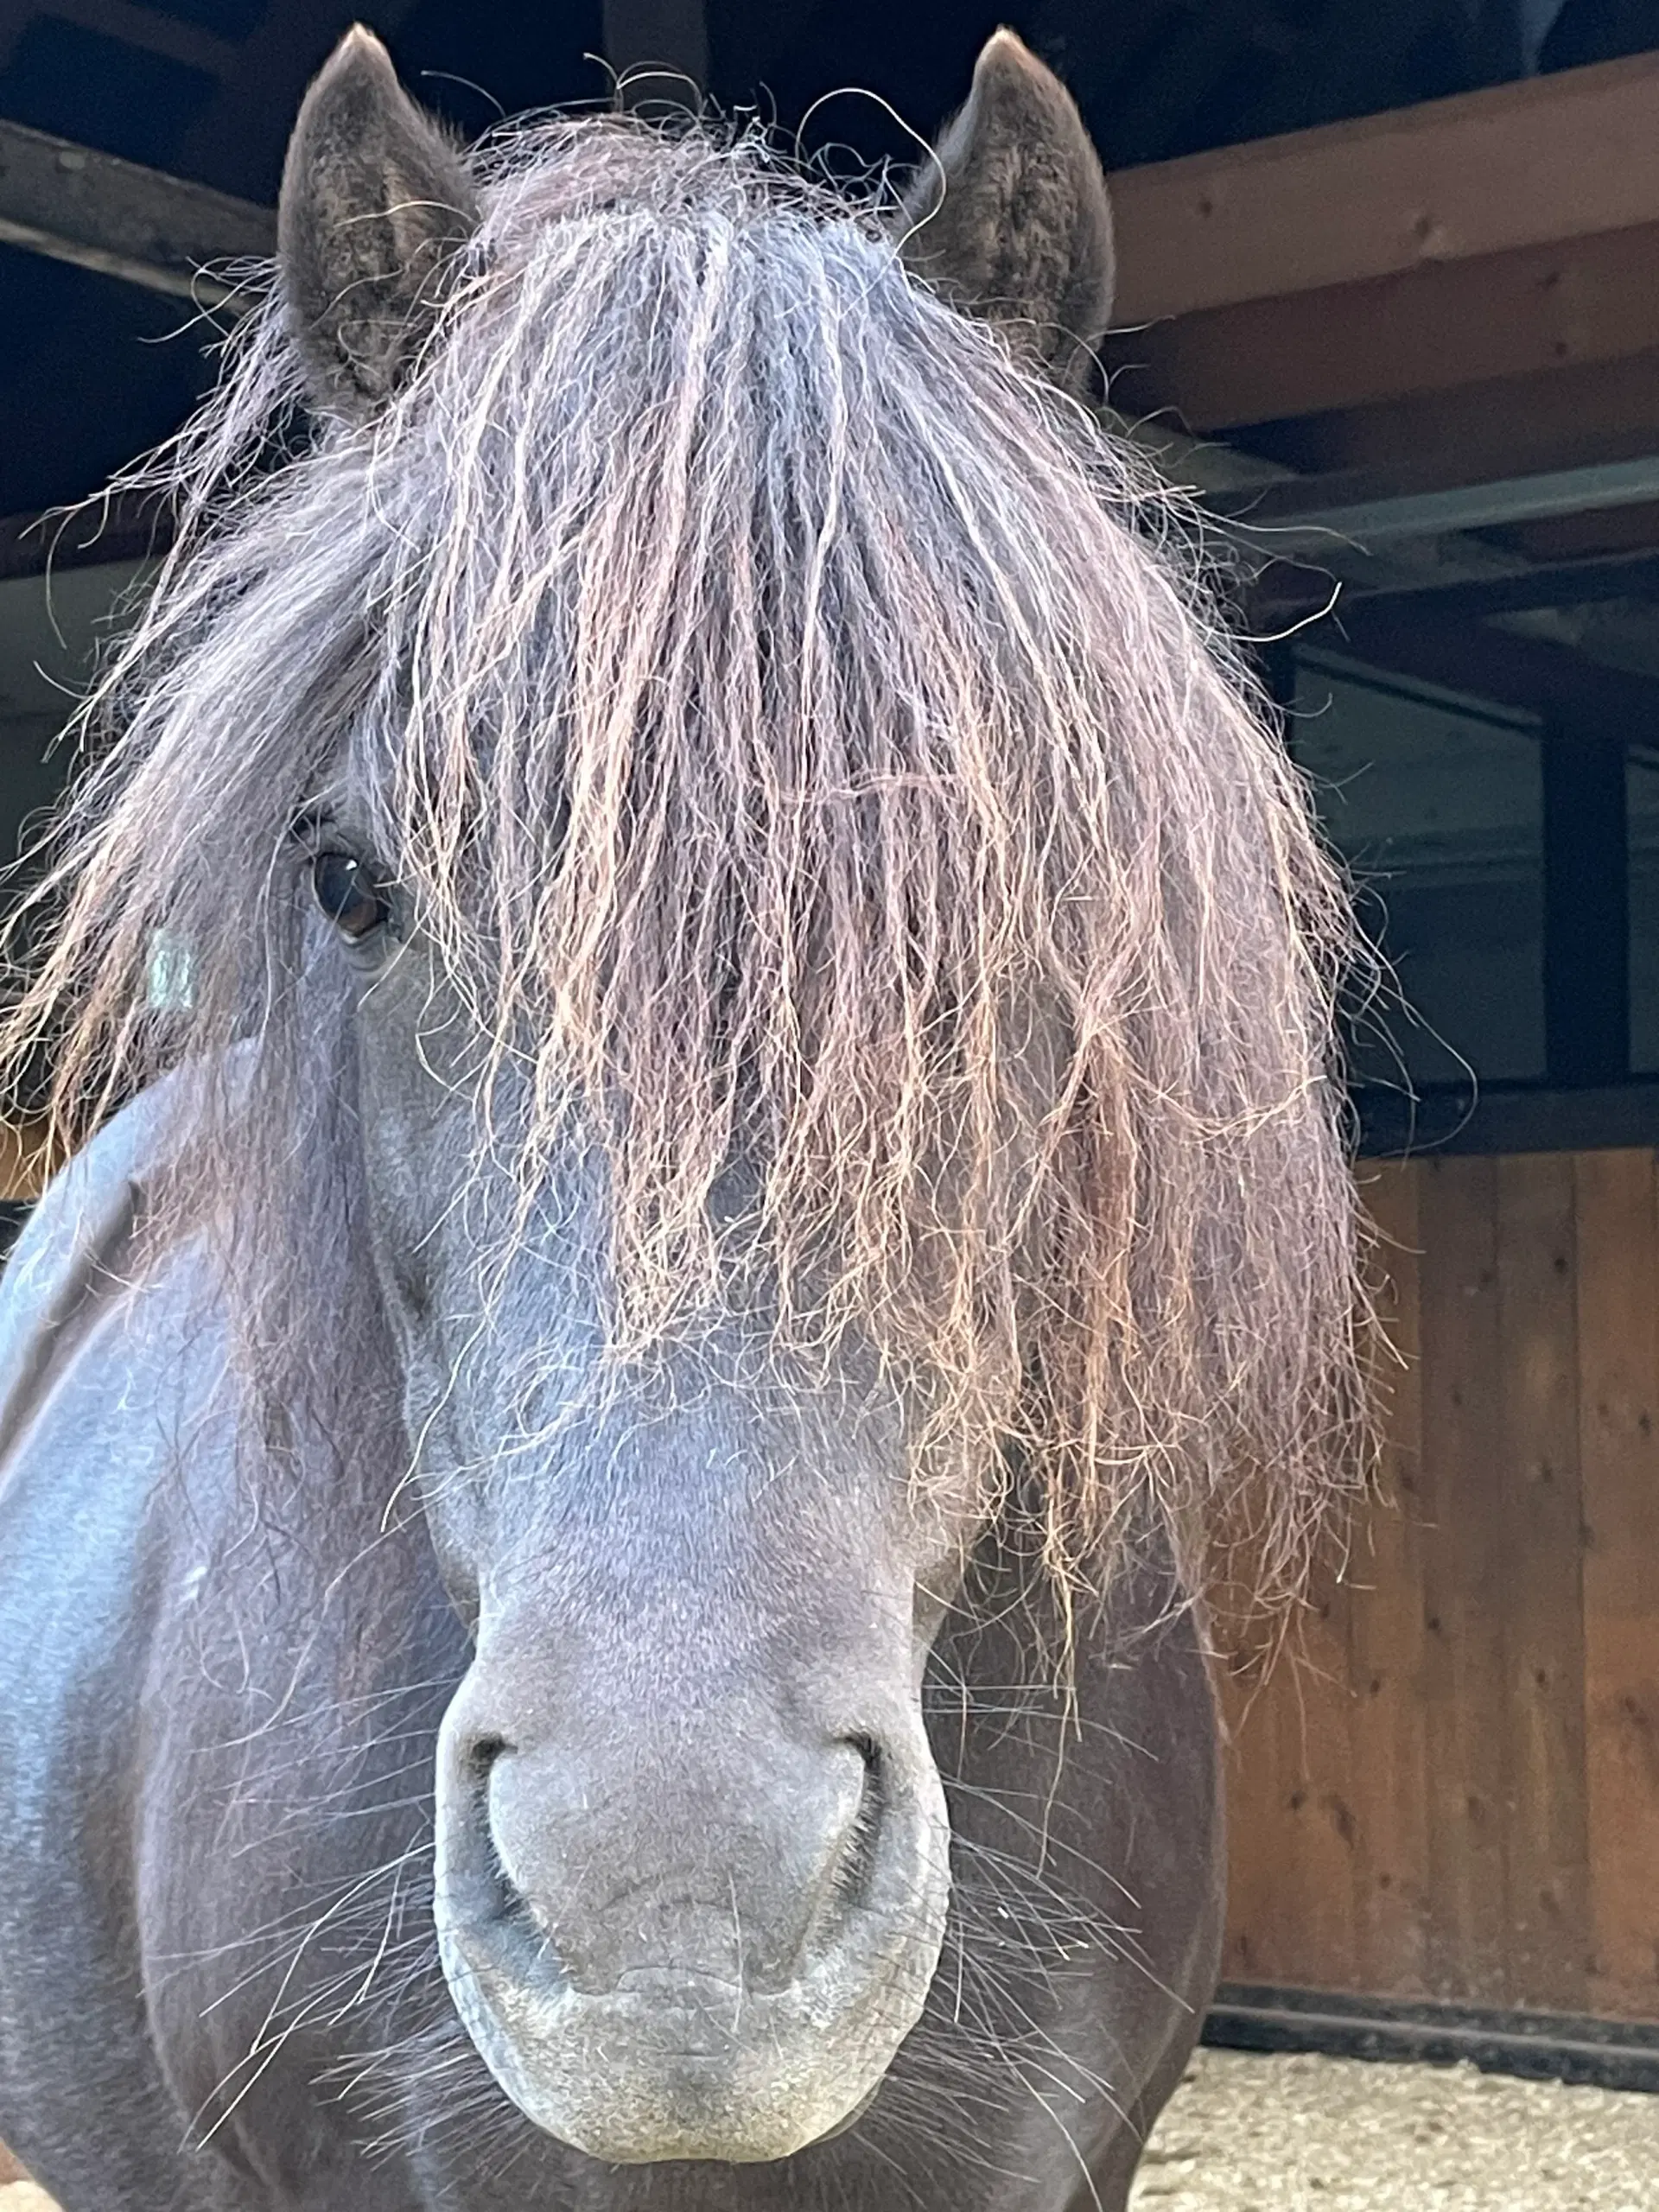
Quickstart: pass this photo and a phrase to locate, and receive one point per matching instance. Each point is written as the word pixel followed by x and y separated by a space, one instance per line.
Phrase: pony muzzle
pixel 648 1981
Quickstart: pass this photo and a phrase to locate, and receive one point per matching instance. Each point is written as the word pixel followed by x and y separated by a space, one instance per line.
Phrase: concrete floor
pixel 1305 2134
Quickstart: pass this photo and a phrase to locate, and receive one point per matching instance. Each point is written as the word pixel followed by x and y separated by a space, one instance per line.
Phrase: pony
pixel 691 1005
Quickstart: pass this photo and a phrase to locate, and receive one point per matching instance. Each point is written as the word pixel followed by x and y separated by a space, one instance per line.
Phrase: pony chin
pixel 685 2066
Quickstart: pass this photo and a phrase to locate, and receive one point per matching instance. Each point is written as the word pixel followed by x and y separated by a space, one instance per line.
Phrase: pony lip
pixel 673 2071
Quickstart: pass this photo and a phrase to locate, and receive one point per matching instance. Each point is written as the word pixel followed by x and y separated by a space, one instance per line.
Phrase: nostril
pixel 497 1898
pixel 482 1755
pixel 857 1860
pixel 479 1762
pixel 868 1749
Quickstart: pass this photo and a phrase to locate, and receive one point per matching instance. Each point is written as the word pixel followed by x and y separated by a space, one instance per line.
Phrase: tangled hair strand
pixel 806 756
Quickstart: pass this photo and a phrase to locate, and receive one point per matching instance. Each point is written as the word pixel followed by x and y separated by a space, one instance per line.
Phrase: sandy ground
pixel 1305 2135
pixel 1246 2134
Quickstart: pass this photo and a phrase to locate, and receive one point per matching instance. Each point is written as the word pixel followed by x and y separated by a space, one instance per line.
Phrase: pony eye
pixel 346 892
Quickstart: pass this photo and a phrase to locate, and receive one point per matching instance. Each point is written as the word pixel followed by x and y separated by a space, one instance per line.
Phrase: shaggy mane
pixel 805 763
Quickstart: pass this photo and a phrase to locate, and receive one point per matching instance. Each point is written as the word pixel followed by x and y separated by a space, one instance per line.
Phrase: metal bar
pixel 1582 698
pixel 1493 1117
pixel 1287 530
pixel 1587 908
pixel 1537 2046
pixel 120 527
pixel 1557 583
pixel 77 205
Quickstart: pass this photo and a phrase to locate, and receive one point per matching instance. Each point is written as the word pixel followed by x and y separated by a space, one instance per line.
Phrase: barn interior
pixel 1389 305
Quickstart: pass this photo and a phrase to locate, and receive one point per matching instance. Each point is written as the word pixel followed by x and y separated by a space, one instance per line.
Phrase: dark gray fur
pixel 375 204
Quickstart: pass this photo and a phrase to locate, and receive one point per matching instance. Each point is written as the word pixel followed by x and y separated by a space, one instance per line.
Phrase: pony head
pixel 699 819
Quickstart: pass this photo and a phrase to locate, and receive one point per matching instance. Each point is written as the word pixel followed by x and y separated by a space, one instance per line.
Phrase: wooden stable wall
pixel 24 1151
pixel 1454 1792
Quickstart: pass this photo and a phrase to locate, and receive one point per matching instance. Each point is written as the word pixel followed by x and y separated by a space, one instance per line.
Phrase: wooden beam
pixel 1504 244
pixel 1501 426
pixel 1571 692
pixel 80 206
pixel 1535 309
pixel 1499 1118
pixel 1538 163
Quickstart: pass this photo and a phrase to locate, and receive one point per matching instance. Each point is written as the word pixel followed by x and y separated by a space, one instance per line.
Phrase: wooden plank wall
pixel 1448 1787
pixel 24 1155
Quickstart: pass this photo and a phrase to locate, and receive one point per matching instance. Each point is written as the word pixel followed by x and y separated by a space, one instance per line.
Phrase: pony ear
pixel 1011 220
pixel 375 206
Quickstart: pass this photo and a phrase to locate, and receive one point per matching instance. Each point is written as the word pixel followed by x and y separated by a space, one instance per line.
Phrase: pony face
pixel 692 1851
